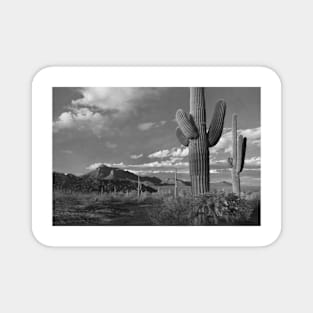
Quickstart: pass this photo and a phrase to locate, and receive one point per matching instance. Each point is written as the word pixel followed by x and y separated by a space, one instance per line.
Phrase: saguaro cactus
pixel 138 187
pixel 237 161
pixel 192 132
pixel 175 186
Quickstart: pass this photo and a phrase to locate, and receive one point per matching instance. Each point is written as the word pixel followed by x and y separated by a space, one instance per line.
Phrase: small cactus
pixel 138 187
pixel 237 161
pixel 192 132
pixel 175 186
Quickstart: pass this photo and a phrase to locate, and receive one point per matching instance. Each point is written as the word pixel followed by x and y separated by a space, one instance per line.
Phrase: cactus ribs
pixel 192 132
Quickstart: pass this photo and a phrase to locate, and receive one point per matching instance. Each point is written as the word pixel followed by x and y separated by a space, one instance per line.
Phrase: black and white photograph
pixel 155 156
pixel 163 156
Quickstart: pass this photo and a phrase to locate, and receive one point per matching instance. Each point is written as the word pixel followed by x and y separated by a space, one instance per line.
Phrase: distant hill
pixel 180 182
pixel 104 179
pixel 109 179
pixel 104 171
pixel 227 187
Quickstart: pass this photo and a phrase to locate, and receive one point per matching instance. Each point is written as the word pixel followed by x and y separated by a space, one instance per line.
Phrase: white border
pixel 163 236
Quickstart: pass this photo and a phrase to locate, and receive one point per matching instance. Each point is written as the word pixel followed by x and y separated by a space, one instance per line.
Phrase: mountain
pixel 110 179
pixel 180 182
pixel 104 179
pixel 103 171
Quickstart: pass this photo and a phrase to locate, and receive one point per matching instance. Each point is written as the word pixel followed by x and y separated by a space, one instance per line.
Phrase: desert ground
pixel 159 208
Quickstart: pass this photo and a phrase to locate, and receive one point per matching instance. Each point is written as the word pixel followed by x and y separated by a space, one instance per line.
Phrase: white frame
pixel 162 236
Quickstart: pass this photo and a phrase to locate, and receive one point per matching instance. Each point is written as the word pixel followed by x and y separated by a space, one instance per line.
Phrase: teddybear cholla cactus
pixel 238 160
pixel 192 132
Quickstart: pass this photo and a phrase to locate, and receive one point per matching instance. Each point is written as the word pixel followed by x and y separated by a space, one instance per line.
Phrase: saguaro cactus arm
pixel 234 135
pixel 216 127
pixel 187 125
pixel 181 137
pixel 239 154
pixel 243 153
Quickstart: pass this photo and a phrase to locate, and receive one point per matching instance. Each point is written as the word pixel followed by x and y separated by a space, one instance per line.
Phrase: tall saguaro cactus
pixel 192 132
pixel 237 161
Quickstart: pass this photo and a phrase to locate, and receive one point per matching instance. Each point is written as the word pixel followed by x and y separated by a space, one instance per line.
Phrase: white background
pixel 35 34
pixel 126 236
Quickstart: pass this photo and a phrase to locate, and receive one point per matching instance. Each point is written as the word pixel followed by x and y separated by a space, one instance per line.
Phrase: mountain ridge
pixel 103 171
pixel 104 179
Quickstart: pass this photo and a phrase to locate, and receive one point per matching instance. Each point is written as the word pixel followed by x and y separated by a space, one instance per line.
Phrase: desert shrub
pixel 219 208
pixel 216 208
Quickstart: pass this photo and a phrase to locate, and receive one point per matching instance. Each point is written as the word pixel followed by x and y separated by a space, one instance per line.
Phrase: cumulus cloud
pixel 146 126
pixel 163 163
pixel 158 164
pixel 82 119
pixel 113 99
pixel 180 152
pixel 225 143
pixel 147 171
pixel 159 154
pixel 121 164
pixel 94 166
pixel 252 133
pixel 174 158
pixel 254 161
pixel 98 108
pixel 136 156
pixel 170 165
pixel 174 152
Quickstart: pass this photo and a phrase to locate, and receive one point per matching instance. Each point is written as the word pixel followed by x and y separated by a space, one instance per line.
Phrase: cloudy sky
pixel 134 128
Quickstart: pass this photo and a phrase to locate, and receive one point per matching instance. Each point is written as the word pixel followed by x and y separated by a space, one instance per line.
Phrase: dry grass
pixel 217 208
